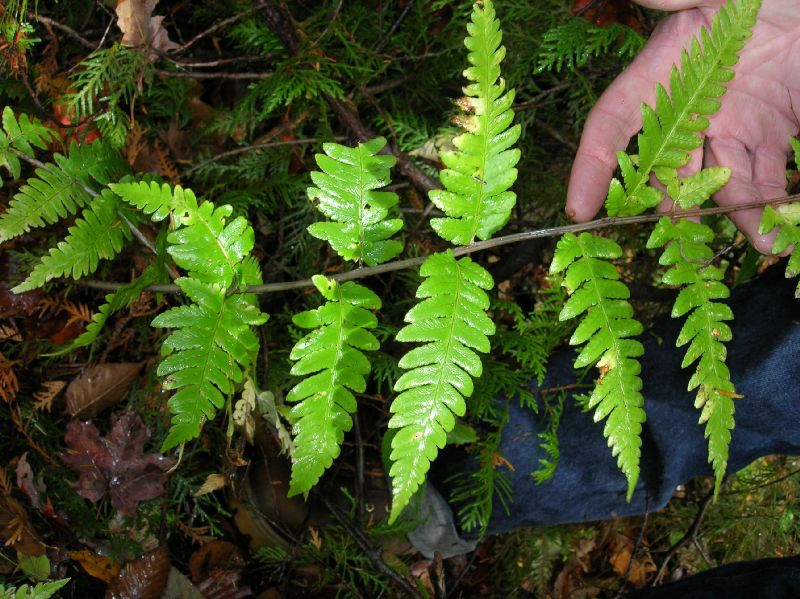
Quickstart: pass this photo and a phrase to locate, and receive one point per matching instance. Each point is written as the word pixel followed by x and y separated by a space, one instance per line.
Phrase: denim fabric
pixel 764 360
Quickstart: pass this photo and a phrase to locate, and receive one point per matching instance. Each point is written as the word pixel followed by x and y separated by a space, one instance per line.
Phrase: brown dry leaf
pixel 143 578
pixel 213 482
pixel 27 484
pixel 9 385
pixel 316 540
pixel 116 464
pixel 196 534
pixel 216 555
pixel 5 482
pixel 9 333
pixel 134 143
pixel 140 28
pixel 44 397
pixel 97 566
pixel 16 529
pixel 162 163
pixel 638 570
pixel 100 387
pixel 78 313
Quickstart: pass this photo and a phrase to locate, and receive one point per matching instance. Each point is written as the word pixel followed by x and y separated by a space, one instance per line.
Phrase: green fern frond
pixel 153 199
pixel 452 324
pixel 121 298
pixel 476 200
pixel 208 246
pixel 23 135
pixel 213 342
pixel 606 330
pixel 59 190
pixel 98 234
pixel 360 229
pixel 573 43
pixel 671 131
pixel 705 330
pixel 786 218
pixel 333 354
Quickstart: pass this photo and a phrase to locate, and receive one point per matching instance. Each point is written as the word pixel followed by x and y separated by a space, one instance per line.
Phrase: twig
pixel 373 554
pixel 690 535
pixel 68 30
pixel 370 271
pixel 381 44
pixel 331 21
pixel 244 150
pixel 196 75
pixel 635 551
pixel 359 468
pixel 218 26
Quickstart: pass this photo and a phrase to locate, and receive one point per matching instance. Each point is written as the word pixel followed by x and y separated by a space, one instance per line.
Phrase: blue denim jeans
pixel 764 360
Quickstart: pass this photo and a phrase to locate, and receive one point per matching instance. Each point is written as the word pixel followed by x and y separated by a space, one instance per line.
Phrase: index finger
pixel 617 116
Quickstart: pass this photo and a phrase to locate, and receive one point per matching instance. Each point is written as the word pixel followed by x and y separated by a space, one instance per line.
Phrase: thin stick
pixel 479 246
pixel 68 30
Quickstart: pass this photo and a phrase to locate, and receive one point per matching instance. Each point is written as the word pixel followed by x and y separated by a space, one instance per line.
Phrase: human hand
pixel 750 133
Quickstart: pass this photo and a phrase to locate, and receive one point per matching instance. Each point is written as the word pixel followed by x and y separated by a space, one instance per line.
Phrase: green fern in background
pixel 786 218
pixel 21 135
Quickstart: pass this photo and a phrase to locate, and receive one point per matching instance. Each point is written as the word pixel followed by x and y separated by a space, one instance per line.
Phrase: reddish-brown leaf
pixel 116 464
pixel 100 387
pixel 97 566
pixel 16 530
pixel 27 484
pixel 143 578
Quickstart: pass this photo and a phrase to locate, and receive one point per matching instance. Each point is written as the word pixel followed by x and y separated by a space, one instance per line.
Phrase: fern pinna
pixel 213 342
pixel 607 327
pixel 669 132
pixel 786 218
pixel 331 353
pixel 452 321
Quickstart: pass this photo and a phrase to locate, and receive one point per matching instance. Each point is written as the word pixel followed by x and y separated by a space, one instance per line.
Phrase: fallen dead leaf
pixel 100 387
pixel 212 483
pixel 143 578
pixel 27 484
pixel 16 530
pixel 97 566
pixel 140 28
pixel 216 555
pixel 116 464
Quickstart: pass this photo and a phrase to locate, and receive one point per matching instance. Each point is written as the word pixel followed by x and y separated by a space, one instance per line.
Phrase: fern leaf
pixel 59 190
pixel 452 324
pixel 787 218
pixel 476 200
pixel 690 192
pixel 121 298
pixel 205 356
pixel 21 135
pixel 98 234
pixel 671 130
pixel 208 246
pixel 158 201
pixel 705 330
pixel 344 189
pixel 333 354
pixel 606 330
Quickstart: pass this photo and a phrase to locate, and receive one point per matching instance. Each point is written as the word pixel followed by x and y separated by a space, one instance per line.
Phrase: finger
pixel 617 116
pixel 673 5
pixel 741 189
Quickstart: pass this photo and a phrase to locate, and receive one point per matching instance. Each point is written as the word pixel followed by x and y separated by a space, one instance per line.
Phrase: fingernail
pixel 571 213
